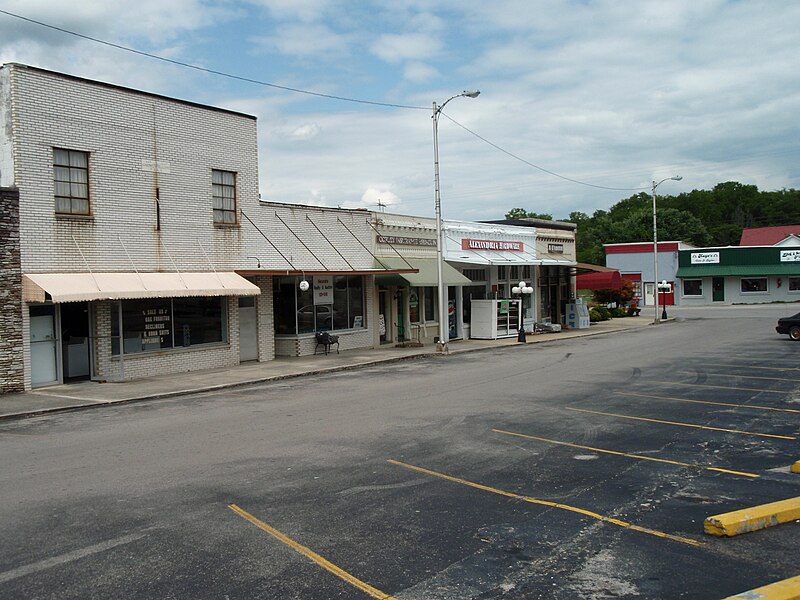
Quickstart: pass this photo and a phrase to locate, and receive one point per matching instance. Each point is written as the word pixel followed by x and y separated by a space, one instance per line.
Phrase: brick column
pixel 12 376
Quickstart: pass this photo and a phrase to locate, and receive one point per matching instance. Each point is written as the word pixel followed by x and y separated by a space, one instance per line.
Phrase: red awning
pixel 610 280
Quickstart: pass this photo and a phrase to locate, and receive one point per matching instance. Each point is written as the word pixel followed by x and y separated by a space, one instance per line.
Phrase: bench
pixel 326 340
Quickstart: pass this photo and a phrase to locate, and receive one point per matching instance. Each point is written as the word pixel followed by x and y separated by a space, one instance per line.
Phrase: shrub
pixel 599 313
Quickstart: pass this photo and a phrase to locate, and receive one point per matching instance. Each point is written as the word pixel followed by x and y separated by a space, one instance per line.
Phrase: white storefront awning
pixel 83 287
pixel 488 244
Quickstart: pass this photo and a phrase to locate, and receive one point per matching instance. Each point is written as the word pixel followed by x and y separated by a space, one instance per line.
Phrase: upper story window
pixel 71 177
pixel 224 196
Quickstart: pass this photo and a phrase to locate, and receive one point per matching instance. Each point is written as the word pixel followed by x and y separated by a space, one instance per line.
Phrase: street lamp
pixel 519 290
pixel 444 334
pixel 663 288
pixel 655 243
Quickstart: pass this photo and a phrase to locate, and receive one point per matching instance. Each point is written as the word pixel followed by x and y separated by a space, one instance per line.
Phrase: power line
pixel 311 93
pixel 530 164
pixel 211 71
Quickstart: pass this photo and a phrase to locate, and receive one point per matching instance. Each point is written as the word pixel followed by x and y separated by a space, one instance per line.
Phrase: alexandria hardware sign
pixel 492 245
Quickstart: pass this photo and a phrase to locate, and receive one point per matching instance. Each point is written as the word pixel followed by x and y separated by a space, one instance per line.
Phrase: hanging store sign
pixel 406 241
pixel 492 245
pixel 705 258
pixel 790 255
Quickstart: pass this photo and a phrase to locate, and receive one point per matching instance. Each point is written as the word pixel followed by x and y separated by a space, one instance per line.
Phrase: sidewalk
pixel 87 394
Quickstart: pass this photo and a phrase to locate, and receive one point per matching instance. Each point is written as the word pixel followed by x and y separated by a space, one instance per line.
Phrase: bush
pixel 599 313
pixel 619 312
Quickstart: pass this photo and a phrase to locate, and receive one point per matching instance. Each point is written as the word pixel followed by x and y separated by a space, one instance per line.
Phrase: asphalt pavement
pixel 87 394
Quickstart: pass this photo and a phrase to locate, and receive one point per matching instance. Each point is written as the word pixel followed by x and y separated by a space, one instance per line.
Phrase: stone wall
pixel 12 377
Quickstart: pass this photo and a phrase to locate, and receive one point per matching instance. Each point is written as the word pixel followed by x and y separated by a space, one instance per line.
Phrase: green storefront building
pixel 739 275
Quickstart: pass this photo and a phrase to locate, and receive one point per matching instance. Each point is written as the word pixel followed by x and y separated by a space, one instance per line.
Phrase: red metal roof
pixel 767 236
pixel 610 280
pixel 640 247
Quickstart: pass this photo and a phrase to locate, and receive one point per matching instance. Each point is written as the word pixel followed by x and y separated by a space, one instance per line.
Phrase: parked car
pixel 790 325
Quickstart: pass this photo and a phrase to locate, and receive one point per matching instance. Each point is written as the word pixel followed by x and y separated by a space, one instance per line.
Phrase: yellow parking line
pixel 744 376
pixel 581 511
pixel 753 406
pixel 722 387
pixel 625 454
pixel 769 435
pixel 755 367
pixel 788 589
pixel 310 554
pixel 753 518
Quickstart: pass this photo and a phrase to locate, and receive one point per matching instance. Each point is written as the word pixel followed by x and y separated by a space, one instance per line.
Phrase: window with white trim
pixel 223 184
pixel 754 285
pixel 691 287
pixel 71 181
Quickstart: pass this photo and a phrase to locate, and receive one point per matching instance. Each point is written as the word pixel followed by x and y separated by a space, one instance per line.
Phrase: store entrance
pixel 75 337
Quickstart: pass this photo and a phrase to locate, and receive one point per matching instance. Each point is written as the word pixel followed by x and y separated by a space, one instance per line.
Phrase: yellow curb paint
pixel 626 455
pixel 310 554
pixel 731 404
pixel 605 414
pixel 788 589
pixel 795 467
pixel 753 519
pixel 575 509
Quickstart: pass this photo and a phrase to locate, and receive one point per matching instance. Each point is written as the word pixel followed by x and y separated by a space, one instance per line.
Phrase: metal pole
pixel 655 256
pixel 444 334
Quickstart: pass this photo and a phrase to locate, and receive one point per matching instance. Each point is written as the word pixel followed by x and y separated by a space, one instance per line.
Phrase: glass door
pixel 44 345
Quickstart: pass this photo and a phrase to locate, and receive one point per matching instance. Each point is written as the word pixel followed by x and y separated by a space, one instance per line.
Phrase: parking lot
pixel 582 469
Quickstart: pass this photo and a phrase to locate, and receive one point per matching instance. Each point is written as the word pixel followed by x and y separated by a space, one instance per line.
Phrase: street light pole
pixel 444 334
pixel 655 245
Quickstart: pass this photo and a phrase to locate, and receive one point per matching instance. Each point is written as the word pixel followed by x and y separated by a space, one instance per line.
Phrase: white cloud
pixel 305 40
pixel 394 48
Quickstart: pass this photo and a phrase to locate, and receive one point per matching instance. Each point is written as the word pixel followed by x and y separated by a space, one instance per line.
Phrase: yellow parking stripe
pixel 769 435
pixel 753 406
pixel 581 511
pixel 310 554
pixel 743 376
pixel 755 367
pixel 625 454
pixel 721 387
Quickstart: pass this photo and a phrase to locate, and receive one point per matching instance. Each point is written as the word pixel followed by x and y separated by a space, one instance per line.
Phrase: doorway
pixel 718 289
pixel 248 329
pixel 44 345
pixel 75 337
pixel 383 307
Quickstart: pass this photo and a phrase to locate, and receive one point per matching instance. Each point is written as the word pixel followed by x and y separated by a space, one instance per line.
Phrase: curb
pixel 315 371
pixel 753 519
pixel 788 589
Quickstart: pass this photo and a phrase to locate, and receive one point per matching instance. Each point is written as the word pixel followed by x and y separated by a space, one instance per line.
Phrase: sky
pixel 583 102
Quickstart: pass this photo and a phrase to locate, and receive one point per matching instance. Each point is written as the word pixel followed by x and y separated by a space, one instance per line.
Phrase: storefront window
pixel 430 304
pixel 167 323
pixel 692 287
pixel 330 303
pixel 414 305
pixel 756 284
pixel 794 284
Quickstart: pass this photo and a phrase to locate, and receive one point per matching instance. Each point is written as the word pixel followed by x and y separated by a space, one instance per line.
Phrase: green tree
pixel 521 213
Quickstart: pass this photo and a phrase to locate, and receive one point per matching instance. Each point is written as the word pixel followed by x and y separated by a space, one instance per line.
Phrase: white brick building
pixel 134 241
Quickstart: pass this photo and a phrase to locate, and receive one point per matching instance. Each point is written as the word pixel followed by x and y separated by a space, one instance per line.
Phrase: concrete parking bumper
pixel 753 518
